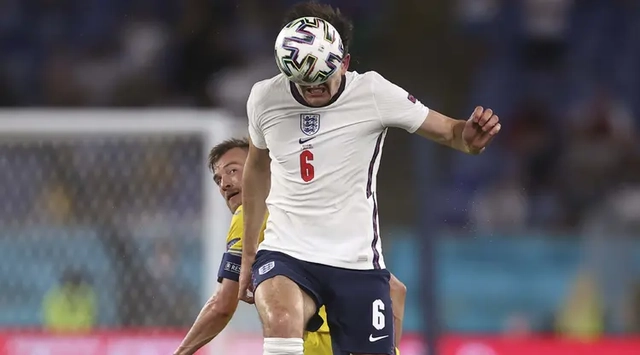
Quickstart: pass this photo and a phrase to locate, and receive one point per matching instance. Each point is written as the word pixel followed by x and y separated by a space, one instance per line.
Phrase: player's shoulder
pixel 263 86
pixel 368 77
pixel 263 90
pixel 368 82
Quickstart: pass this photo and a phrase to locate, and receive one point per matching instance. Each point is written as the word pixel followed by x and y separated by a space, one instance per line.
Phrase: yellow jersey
pixel 230 267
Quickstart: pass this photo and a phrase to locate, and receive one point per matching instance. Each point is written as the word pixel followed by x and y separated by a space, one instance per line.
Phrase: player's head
pixel 320 95
pixel 226 162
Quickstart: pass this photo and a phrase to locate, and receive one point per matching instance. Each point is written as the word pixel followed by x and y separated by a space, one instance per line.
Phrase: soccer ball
pixel 309 50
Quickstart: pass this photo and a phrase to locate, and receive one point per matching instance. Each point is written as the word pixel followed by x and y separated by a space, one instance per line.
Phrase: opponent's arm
pixel 469 136
pixel 398 297
pixel 213 318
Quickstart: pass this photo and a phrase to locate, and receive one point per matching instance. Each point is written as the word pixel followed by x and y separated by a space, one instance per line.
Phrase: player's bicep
pixel 256 136
pixel 437 127
pixel 258 157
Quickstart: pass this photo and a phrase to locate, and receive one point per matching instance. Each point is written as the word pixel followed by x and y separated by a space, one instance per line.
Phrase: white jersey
pixel 324 161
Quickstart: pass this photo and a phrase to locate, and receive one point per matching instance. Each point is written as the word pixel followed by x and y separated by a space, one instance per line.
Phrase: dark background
pixel 539 234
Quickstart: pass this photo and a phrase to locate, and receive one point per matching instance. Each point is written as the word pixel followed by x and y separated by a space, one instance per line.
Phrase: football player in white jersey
pixel 314 155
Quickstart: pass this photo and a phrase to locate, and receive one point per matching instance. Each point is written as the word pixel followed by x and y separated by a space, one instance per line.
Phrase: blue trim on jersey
pixel 374 243
pixel 372 164
pixel 232 242
pixel 370 193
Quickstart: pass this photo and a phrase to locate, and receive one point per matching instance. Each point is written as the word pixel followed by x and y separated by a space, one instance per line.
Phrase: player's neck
pixel 298 96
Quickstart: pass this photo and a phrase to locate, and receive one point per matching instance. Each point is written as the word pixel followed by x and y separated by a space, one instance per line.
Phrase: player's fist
pixel 480 129
pixel 245 293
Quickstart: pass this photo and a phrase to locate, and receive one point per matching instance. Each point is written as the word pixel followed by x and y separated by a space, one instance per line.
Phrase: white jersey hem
pixel 362 265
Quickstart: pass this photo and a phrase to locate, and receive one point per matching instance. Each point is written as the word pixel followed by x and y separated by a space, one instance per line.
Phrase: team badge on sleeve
pixel 309 123
pixel 411 98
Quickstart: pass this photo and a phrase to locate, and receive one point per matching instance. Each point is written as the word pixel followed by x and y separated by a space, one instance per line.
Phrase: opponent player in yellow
pixel 226 161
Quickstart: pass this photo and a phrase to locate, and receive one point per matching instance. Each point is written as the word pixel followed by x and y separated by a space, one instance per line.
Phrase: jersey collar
pixel 298 97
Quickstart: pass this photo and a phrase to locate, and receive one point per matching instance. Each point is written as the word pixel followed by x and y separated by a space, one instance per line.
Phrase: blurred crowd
pixel 131 53
pixel 564 76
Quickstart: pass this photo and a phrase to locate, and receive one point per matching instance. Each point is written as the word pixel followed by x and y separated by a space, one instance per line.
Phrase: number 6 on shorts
pixel 378 319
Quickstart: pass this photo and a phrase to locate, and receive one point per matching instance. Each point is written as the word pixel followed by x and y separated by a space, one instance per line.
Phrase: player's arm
pixel 444 130
pixel 398 297
pixel 256 182
pixel 255 188
pixel 448 131
pixel 213 318
pixel 397 108
pixel 256 179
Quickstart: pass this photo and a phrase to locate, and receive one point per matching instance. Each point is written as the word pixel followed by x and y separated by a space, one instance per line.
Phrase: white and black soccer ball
pixel 309 50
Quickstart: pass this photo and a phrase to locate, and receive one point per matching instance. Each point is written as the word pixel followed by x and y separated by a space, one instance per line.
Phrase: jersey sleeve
pixel 255 130
pixel 232 258
pixel 396 107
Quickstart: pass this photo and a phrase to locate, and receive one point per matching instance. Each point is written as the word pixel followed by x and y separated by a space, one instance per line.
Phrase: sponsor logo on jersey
pixel 309 123
pixel 305 140
pixel 232 267
pixel 266 267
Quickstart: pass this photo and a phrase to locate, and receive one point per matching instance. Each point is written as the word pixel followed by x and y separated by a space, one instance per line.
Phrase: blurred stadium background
pixel 110 107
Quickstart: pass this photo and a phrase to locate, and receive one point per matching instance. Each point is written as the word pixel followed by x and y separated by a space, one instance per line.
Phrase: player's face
pixel 227 174
pixel 320 95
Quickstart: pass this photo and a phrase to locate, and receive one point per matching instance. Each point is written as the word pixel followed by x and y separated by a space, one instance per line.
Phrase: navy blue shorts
pixel 358 302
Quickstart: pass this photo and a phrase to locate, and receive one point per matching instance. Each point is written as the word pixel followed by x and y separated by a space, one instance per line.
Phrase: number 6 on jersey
pixel 378 319
pixel 306 169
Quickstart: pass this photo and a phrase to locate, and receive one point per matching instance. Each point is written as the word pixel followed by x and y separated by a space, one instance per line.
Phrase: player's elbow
pixel 220 309
pixel 398 289
pixel 223 314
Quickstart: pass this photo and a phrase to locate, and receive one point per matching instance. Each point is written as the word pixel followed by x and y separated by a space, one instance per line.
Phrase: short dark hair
pixel 221 149
pixel 343 25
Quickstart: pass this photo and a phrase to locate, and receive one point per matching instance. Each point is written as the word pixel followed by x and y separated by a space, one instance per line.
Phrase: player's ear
pixel 345 63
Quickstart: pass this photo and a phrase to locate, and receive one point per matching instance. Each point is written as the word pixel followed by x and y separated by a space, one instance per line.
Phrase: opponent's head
pixel 226 162
pixel 312 50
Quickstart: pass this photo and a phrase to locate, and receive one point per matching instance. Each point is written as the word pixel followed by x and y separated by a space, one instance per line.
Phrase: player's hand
pixel 480 129
pixel 245 293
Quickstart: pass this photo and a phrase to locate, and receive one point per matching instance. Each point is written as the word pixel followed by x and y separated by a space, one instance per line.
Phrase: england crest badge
pixel 309 123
